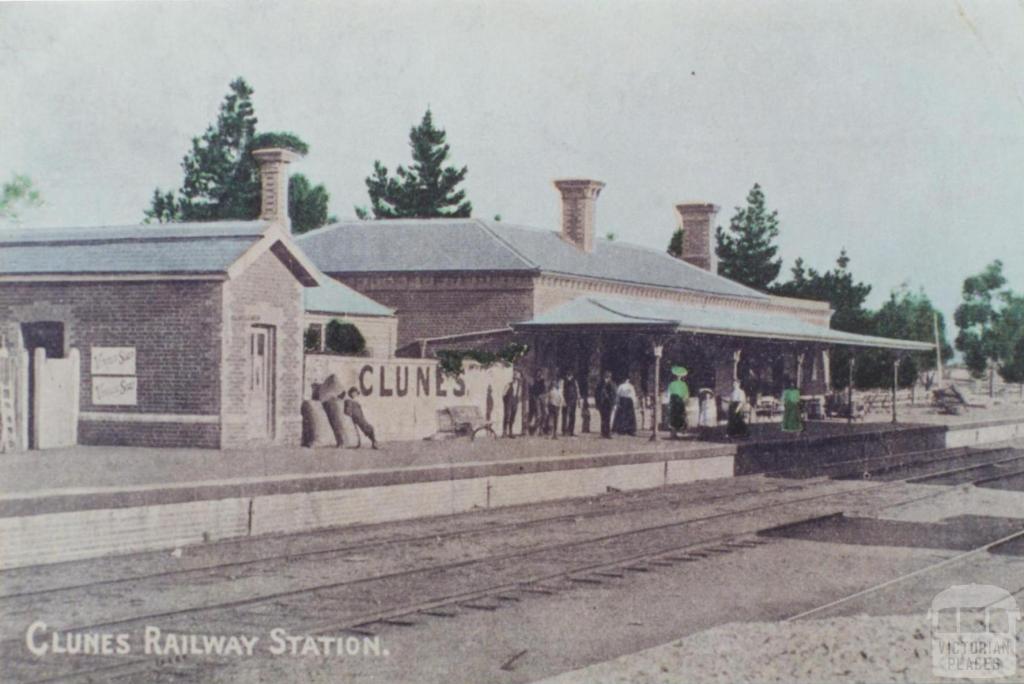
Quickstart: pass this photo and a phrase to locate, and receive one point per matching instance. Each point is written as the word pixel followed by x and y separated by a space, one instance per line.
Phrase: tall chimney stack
pixel 697 221
pixel 578 199
pixel 273 163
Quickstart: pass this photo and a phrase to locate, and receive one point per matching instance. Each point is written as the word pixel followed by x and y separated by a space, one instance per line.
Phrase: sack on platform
pixel 316 428
pixel 328 389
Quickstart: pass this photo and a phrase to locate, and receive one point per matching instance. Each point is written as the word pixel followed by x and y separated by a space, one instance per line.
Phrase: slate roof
pixel 178 248
pixel 332 297
pixel 633 314
pixel 439 245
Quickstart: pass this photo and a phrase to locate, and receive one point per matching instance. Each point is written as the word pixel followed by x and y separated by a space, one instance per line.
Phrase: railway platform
pixel 87 502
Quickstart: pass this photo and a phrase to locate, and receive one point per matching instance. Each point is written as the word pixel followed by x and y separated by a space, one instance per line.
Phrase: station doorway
pixel 48 336
pixel 261 386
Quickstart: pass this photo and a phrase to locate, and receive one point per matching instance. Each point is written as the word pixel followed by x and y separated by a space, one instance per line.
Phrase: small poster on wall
pixel 113 361
pixel 114 391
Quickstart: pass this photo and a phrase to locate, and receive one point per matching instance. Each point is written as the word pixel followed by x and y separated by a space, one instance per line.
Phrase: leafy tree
pixel 307 204
pixel 427 189
pixel 746 252
pixel 18 194
pixel 909 316
pixel 1009 333
pixel 222 178
pixel 978 316
pixel 837 287
pixel 675 245
pixel 342 337
pixel 845 295
pixel 1013 368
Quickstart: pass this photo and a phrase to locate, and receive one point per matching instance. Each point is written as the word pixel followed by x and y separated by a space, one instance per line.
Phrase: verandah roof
pixel 606 314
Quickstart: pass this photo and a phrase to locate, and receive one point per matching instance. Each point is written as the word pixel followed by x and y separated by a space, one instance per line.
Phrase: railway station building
pixel 200 334
pixel 584 303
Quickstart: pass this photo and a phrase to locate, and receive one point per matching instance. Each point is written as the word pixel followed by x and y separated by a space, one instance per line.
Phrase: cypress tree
pixel 746 252
pixel 427 188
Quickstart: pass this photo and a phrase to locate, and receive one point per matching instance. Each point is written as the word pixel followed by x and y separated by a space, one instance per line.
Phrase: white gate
pixel 55 400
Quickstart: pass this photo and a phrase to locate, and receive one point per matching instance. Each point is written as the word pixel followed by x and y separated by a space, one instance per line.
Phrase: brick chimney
pixel 578 199
pixel 273 163
pixel 697 221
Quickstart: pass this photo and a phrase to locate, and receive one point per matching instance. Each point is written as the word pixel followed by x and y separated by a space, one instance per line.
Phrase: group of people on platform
pixel 551 407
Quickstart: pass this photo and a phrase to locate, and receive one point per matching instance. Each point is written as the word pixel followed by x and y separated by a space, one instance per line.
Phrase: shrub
pixel 344 338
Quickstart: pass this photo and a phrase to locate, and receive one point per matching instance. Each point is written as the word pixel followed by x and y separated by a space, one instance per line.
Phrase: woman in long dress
pixel 678 394
pixel 737 426
pixel 791 419
pixel 707 417
pixel 556 402
pixel 624 421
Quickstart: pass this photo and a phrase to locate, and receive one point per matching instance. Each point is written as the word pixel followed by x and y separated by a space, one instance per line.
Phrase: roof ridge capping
pixel 505 243
pixel 142 232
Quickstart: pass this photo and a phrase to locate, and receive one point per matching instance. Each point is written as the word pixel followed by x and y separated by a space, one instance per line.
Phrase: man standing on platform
pixel 571 392
pixel 538 404
pixel 355 411
pixel 605 399
pixel 510 403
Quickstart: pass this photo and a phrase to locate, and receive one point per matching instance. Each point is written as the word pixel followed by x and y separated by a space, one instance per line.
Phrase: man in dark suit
pixel 605 398
pixel 510 404
pixel 571 391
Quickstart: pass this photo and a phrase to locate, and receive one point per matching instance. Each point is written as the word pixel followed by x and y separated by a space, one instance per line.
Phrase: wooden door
pixel 261 381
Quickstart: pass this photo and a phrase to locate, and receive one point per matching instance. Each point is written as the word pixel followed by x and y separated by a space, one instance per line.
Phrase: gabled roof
pixel 211 249
pixel 625 315
pixel 332 297
pixel 439 245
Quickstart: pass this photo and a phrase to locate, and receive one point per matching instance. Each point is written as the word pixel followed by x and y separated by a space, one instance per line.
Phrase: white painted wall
pixel 401 397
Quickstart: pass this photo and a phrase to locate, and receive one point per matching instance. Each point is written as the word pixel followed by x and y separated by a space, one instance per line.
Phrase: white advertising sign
pixel 114 391
pixel 113 361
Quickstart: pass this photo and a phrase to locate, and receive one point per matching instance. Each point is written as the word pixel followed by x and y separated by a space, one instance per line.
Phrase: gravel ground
pixel 845 649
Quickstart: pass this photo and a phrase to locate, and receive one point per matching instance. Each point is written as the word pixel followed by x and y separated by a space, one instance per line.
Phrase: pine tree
pixel 222 179
pixel 427 189
pixel 675 245
pixel 746 253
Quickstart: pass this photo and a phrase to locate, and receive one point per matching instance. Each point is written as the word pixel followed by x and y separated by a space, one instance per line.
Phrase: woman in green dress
pixel 678 393
pixel 791 420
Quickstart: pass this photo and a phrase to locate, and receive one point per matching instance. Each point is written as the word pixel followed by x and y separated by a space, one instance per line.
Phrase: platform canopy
pixel 611 315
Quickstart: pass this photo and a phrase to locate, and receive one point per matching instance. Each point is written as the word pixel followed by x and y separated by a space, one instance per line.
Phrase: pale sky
pixel 894 129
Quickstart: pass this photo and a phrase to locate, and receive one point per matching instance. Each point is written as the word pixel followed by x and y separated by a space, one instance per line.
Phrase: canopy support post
pixel 659 348
pixel 849 393
pixel 895 379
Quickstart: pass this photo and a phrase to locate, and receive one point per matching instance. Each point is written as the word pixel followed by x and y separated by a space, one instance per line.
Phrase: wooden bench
pixel 461 421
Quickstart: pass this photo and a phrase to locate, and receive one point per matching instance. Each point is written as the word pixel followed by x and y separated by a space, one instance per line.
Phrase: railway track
pixel 540 570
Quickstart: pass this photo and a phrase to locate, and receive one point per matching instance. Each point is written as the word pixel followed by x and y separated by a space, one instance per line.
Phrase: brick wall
pixel 438 305
pixel 174 327
pixel 265 294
